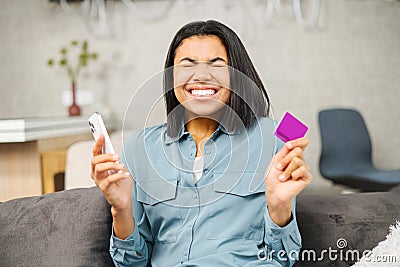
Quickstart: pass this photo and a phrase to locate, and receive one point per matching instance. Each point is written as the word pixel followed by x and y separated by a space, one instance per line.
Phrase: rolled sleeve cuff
pixel 132 242
pixel 274 231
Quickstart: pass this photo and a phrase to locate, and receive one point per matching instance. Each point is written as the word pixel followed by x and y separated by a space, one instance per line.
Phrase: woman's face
pixel 201 75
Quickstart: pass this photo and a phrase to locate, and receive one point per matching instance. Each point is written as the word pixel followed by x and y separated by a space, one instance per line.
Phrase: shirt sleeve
pixel 282 244
pixel 136 249
pixel 131 251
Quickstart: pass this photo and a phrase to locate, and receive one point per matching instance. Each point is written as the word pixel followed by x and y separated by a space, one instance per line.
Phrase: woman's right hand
pixel 117 187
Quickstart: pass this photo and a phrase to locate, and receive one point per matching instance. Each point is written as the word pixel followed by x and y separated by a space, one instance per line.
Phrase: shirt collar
pixel 171 139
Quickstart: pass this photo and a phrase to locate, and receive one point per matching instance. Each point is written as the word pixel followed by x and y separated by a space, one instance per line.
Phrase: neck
pixel 201 129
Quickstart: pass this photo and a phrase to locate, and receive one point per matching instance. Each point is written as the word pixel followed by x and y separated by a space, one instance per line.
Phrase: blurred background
pixel 310 54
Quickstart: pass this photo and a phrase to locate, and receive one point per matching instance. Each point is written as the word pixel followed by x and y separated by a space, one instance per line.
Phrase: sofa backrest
pixel 66 228
pixel 73 227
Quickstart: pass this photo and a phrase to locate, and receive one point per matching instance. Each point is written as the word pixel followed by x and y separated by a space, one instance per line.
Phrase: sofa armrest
pixel 67 228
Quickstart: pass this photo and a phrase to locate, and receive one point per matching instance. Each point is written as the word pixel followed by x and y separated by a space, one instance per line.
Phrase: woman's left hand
pixel 287 175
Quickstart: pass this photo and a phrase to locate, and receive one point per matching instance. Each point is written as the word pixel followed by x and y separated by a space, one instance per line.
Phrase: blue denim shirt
pixel 222 220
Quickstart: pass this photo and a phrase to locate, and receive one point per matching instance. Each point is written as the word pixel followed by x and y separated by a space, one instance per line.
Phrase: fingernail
pixel 127 174
pixel 289 145
pixel 115 157
pixel 120 166
pixel 281 177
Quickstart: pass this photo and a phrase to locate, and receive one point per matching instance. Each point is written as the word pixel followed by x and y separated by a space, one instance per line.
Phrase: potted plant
pixel 74 68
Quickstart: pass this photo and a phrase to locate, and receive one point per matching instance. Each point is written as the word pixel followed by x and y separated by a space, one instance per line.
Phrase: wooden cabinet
pixel 32 150
pixel 53 162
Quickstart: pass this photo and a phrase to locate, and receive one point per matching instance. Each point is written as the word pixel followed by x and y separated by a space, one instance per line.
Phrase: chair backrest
pixel 78 162
pixel 346 143
pixel 77 169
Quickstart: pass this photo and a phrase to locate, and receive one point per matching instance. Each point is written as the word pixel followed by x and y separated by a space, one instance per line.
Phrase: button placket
pixel 192 224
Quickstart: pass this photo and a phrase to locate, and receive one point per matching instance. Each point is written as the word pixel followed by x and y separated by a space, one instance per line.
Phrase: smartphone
pixel 97 127
pixel 290 128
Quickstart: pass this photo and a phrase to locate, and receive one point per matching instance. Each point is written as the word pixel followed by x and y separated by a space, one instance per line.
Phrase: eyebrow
pixel 216 59
pixel 210 61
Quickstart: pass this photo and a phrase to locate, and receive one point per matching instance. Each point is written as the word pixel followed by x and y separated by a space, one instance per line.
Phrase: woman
pixel 212 186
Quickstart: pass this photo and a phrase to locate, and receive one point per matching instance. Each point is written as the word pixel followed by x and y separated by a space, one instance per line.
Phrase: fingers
pixel 98 147
pixel 291 162
pixel 303 172
pixel 300 142
pixel 284 161
pixel 102 168
pixel 103 158
pixel 296 166
pixel 291 149
pixel 281 154
pixel 112 179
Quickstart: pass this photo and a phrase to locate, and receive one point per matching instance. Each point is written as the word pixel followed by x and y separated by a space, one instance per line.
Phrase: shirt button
pixel 275 232
pixel 195 195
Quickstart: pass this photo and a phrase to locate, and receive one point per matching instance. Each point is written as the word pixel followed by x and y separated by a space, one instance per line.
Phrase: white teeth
pixel 203 92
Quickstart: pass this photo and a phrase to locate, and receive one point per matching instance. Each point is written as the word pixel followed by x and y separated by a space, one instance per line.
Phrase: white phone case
pixel 97 127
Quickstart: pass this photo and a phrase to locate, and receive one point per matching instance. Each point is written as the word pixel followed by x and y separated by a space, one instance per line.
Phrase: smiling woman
pixel 212 186
pixel 221 47
pixel 201 76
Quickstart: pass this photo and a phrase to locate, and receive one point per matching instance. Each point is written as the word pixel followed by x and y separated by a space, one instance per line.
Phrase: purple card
pixel 290 128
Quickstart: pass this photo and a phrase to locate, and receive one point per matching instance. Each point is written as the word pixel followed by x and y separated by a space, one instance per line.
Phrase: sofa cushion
pixel 72 227
pixel 67 228
pixel 357 221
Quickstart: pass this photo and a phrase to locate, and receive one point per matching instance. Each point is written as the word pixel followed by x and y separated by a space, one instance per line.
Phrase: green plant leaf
pixel 84 56
pixel 84 60
pixel 85 45
pixel 63 62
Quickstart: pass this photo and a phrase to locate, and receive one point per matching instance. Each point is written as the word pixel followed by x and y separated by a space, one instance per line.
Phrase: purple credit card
pixel 290 128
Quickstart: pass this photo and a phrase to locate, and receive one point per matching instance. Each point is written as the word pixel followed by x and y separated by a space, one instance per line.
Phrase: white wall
pixel 352 59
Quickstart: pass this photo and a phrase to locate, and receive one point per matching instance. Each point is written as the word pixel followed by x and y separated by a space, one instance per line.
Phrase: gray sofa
pixel 72 227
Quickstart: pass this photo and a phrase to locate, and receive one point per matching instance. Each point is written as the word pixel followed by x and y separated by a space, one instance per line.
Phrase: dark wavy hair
pixel 248 99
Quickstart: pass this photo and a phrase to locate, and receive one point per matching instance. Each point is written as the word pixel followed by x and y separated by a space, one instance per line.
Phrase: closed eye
pixel 217 65
pixel 187 64
pixel 217 60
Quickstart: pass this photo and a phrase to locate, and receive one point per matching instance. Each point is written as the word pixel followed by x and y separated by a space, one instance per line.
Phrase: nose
pixel 201 73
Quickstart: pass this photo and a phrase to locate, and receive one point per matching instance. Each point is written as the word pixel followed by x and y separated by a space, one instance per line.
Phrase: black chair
pixel 346 156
